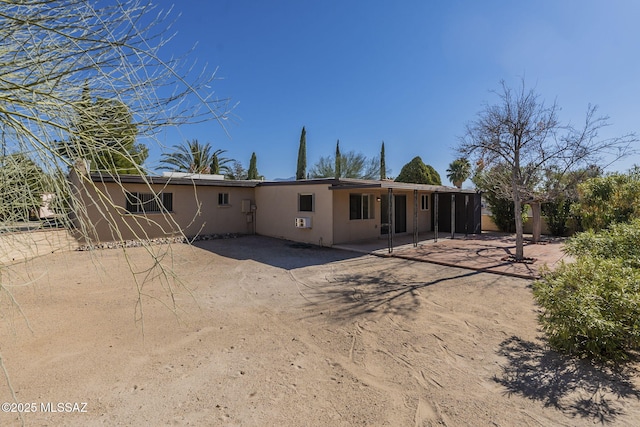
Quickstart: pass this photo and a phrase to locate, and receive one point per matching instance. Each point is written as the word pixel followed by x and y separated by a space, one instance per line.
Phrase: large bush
pixel 608 200
pixel 502 212
pixel 618 241
pixel 557 213
pixel 591 308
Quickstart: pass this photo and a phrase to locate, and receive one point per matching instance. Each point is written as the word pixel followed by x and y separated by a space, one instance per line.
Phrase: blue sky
pixel 409 73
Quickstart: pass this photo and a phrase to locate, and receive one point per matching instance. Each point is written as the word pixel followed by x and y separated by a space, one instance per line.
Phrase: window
pixel 223 199
pixel 425 202
pixel 361 206
pixel 149 202
pixel 305 202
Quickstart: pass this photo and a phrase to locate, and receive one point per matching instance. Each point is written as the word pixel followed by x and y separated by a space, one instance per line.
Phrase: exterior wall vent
pixel 303 222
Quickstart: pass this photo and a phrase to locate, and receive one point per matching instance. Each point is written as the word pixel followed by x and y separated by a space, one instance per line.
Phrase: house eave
pixel 164 180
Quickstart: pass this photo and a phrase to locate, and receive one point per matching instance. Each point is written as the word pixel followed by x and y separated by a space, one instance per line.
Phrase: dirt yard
pixel 269 334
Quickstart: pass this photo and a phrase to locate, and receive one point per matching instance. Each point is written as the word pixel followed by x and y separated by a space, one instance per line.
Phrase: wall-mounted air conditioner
pixel 303 222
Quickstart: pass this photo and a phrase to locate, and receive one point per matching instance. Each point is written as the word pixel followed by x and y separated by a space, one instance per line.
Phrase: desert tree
pixel 525 135
pixel 351 165
pixel 237 171
pixel 458 172
pixel 103 133
pixel 49 49
pixel 301 171
pixel 58 55
pixel 22 183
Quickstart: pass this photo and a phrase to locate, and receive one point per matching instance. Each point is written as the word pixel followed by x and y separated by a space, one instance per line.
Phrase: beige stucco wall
pixel 489 225
pixel 277 209
pixel 195 212
pixel 103 217
pixel 348 230
pixel 352 230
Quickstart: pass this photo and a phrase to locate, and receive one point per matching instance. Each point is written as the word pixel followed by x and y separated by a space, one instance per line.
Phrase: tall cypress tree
pixel 253 167
pixel 383 165
pixel 338 167
pixel 301 172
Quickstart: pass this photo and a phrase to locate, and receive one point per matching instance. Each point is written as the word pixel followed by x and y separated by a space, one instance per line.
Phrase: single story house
pixel 323 212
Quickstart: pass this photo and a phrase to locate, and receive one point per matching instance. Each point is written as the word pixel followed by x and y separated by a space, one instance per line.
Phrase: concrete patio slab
pixel 483 252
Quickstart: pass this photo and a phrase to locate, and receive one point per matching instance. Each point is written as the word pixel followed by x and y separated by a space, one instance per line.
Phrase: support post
pixel 453 216
pixel 435 217
pixel 415 218
pixel 391 221
pixel 466 215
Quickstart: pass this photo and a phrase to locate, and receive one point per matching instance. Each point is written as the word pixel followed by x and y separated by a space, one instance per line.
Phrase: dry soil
pixel 260 332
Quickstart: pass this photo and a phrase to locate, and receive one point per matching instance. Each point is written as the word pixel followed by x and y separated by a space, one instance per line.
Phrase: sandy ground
pixel 269 334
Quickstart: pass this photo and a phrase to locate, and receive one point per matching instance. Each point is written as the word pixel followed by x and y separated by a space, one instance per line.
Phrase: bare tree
pixel 49 49
pixel 526 136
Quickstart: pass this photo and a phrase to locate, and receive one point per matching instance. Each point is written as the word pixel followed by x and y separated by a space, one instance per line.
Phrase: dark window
pixel 305 202
pixel 223 199
pixel 361 206
pixel 149 202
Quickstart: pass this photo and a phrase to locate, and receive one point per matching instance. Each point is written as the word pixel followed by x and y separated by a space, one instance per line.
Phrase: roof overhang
pixel 334 184
pixel 356 184
pixel 164 180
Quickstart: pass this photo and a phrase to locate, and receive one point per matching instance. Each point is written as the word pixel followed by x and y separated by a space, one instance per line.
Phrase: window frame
pixel 365 208
pixel 313 202
pixel 137 202
pixel 425 198
pixel 224 199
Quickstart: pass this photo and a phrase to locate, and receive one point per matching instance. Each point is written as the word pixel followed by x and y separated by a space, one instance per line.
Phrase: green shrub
pixel 503 212
pixel 557 213
pixel 621 240
pixel 591 308
pixel 607 200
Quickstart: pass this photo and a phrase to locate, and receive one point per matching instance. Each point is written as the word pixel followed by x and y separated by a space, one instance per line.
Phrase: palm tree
pixel 193 157
pixel 458 172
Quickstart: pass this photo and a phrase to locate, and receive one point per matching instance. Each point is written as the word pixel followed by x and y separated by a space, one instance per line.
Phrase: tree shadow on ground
pixel 576 387
pixel 351 295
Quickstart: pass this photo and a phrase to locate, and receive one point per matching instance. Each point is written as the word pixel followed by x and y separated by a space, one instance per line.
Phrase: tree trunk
pixel 517 208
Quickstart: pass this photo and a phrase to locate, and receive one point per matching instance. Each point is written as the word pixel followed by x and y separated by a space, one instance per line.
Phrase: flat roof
pixel 165 180
pixel 352 184
pixel 332 183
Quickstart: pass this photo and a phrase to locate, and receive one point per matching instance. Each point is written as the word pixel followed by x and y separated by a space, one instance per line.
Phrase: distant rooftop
pixel 214 177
